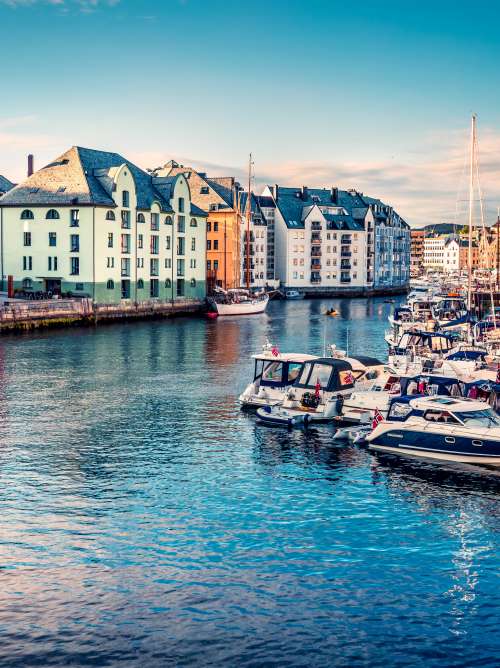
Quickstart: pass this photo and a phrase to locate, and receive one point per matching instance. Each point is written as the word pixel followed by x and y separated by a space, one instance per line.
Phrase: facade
pixel 93 224
pixel 5 185
pixel 331 240
pixel 442 253
pixel 416 252
pixel 218 197
pixel 256 276
pixel 464 254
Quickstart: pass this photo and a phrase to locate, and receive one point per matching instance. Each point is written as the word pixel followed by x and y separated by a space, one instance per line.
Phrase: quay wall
pixel 20 316
pixel 320 293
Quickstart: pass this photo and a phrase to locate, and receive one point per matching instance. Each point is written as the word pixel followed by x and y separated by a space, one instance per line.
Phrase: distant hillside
pixel 442 228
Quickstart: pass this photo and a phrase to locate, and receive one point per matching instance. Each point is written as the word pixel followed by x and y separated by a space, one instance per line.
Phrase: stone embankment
pixel 26 315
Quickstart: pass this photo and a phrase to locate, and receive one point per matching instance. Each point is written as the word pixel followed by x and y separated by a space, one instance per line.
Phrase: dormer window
pixel 204 190
pixel 27 215
pixel 52 214
pixel 168 220
pixel 110 215
pixel 140 218
pixel 126 198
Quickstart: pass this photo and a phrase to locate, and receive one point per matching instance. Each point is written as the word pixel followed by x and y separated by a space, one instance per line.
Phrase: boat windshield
pixel 486 418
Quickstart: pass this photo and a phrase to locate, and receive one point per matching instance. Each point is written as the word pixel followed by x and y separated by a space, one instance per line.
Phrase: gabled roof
pixel 84 176
pixel 255 207
pixel 5 184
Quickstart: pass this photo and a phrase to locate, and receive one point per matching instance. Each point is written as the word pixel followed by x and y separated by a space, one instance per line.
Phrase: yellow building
pixel 218 197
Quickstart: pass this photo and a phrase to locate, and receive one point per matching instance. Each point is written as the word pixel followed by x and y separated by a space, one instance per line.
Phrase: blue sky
pixel 373 95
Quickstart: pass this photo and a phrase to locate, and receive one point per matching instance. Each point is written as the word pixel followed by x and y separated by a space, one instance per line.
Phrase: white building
pixel 91 223
pixel 322 240
pixel 441 253
pixel 257 244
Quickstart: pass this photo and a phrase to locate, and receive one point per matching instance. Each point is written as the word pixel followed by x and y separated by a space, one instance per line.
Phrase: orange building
pixel 218 197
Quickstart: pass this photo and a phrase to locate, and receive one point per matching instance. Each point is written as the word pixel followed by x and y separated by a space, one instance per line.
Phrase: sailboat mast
pixel 471 211
pixel 249 211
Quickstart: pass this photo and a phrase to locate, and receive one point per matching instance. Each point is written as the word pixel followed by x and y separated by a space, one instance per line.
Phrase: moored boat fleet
pixel 437 395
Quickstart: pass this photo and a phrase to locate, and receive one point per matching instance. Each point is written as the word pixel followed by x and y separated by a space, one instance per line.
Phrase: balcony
pixel 345 278
pixel 316 226
pixel 345 239
pixel 315 266
pixel 315 279
pixel 345 254
pixel 316 252
pixel 345 265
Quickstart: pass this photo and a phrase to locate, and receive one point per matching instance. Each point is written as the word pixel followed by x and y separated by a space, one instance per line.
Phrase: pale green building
pixel 91 223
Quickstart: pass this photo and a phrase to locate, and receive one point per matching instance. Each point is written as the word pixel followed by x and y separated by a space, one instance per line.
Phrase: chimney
pixel 305 193
pixel 335 195
pixel 30 164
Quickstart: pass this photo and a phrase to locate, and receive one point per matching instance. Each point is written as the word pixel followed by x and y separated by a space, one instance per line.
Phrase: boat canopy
pixel 433 385
pixel 434 341
pixel 333 375
pixel 276 372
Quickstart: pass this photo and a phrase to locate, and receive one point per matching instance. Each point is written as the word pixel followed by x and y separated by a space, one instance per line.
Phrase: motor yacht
pixel 446 428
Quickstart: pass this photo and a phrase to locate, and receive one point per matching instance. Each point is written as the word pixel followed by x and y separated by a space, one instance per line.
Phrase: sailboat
pixel 241 301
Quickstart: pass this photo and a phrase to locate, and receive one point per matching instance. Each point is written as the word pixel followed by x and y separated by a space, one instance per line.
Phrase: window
pixel 204 190
pixel 193 243
pixel 79 286
pixel 192 264
pixel 27 262
pixel 209 244
pixel 154 287
pixel 168 263
pixel 140 218
pixel 74 219
pixel 125 245
pixel 52 239
pixel 126 219
pixel 181 224
pixel 216 244
pixel 125 266
pixel 140 263
pixel 27 215
pixel 52 214
pixel 110 239
pixel 193 283
pixel 216 264
pixel 209 265
pixel 110 284
pixel 181 246
pixel 181 205
pixel 27 283
pixel 168 220
pixel 74 266
pixel 155 244
pixel 52 263
pixel 140 284
pixel 154 266
pixel 140 241
pixel 194 222
pixel 168 283
pixel 180 267
pixel 110 262
pixel 110 215
pixel 209 226
pixel 167 243
pixel 27 238
pixel 155 221
pixel 126 198
pixel 74 243
pixel 216 227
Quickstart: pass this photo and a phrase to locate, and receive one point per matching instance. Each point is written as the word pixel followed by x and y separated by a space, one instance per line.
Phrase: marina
pixel 139 499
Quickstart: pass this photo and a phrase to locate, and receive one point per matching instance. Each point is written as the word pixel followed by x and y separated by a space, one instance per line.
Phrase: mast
pixel 249 213
pixel 471 211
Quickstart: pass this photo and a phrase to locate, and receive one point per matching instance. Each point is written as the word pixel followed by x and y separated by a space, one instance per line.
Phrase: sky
pixel 371 95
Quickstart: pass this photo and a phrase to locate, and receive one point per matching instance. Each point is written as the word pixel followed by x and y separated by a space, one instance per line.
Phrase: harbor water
pixel 147 521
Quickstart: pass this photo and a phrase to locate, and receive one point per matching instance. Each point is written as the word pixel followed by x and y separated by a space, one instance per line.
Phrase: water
pixel 146 521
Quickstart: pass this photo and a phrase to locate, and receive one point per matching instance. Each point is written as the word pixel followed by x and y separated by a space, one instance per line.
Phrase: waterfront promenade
pixel 146 520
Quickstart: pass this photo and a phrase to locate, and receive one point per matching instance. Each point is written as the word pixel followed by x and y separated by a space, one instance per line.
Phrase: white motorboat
pixel 446 428
pixel 274 373
pixel 294 294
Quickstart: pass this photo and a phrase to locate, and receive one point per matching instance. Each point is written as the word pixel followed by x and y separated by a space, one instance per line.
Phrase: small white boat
pixel 280 417
pixel 239 302
pixel 274 373
pixel 446 428
pixel 294 294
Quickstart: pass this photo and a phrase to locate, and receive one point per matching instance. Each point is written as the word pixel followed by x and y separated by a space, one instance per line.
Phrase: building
pixel 442 254
pixel 91 223
pixel 329 240
pixel 464 254
pixel 5 185
pixel 256 248
pixel 416 252
pixel 218 197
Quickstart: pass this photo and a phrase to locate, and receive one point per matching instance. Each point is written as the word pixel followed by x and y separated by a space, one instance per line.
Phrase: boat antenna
pixel 471 211
pixel 249 215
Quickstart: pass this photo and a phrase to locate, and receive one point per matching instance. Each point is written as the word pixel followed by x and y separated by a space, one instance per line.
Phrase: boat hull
pixel 243 308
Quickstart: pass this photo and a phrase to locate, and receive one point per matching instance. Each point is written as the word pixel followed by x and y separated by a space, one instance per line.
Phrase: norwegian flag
pixel 498 374
pixel 317 389
pixel 349 378
pixel 377 418
pixel 275 351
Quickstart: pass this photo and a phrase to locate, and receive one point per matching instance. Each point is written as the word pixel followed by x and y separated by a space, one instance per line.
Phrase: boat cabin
pixel 424 342
pixel 278 370
pixel 333 375
pixel 485 391
pixel 428 384
pixel 442 410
